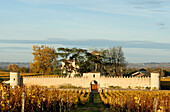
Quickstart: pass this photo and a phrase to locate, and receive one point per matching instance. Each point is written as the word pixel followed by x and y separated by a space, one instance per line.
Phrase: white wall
pixel 85 82
pixel 155 80
pixel 92 75
pixel 14 78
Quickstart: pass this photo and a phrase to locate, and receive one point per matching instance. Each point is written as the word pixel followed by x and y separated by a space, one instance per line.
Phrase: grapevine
pixel 39 98
pixel 136 101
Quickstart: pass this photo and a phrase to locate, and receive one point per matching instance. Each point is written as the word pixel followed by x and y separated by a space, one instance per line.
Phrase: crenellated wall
pixel 56 81
pixel 86 81
pixel 125 82
pixel 103 82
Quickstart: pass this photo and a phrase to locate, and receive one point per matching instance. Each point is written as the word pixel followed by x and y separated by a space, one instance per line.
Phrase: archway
pixel 94 85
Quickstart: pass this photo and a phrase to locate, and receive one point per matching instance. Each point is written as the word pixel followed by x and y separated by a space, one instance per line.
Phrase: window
pixel 14 78
pixel 93 75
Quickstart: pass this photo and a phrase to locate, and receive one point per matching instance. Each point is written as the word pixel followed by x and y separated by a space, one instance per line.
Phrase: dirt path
pixel 94 105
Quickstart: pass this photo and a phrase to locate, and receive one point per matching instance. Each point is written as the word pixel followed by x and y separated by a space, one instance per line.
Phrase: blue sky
pixel 24 23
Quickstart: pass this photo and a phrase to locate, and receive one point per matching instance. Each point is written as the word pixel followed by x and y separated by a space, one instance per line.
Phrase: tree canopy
pixel 43 59
pixel 13 68
pixel 107 61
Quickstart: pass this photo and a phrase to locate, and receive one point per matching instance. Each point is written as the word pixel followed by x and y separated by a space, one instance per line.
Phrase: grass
pixel 4 73
pixel 165 79
pixel 93 105
pixel 8 74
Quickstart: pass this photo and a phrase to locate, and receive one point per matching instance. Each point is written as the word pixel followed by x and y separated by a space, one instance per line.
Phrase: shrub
pixel 66 86
pixel 1 80
pixel 115 87
pixel 77 75
pixel 148 88
pixel 138 87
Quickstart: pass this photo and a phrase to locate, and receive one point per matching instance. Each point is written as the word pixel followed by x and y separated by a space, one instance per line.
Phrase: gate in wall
pixel 94 85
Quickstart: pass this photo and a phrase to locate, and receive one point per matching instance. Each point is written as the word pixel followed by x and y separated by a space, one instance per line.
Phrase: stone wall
pixel 87 79
pixel 102 82
pixel 56 81
pixel 125 82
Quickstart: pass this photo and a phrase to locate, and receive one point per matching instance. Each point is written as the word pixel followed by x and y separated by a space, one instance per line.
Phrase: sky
pixel 141 27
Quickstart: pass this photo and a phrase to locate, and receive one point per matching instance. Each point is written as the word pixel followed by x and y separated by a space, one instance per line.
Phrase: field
pixel 36 98
pixel 6 75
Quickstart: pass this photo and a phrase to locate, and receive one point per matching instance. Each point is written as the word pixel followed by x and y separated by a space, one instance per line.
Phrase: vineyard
pixel 35 98
pixel 43 99
pixel 136 101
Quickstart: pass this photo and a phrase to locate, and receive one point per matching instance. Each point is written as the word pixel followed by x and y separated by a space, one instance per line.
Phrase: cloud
pixel 20 49
pixel 163 28
pixel 160 24
pixel 12 48
pixel 124 7
pixel 135 51
pixel 92 43
pixel 149 3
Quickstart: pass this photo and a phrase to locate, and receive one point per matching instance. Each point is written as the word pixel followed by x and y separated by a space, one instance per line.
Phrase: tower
pixel 155 81
pixel 14 79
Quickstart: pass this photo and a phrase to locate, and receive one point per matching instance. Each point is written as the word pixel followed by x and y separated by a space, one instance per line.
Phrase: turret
pixel 155 81
pixel 14 79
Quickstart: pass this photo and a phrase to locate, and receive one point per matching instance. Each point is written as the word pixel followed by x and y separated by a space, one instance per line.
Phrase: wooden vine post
pixel 155 104
pixel 23 101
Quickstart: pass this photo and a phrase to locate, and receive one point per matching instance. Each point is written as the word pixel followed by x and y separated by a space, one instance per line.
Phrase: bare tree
pixel 115 63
